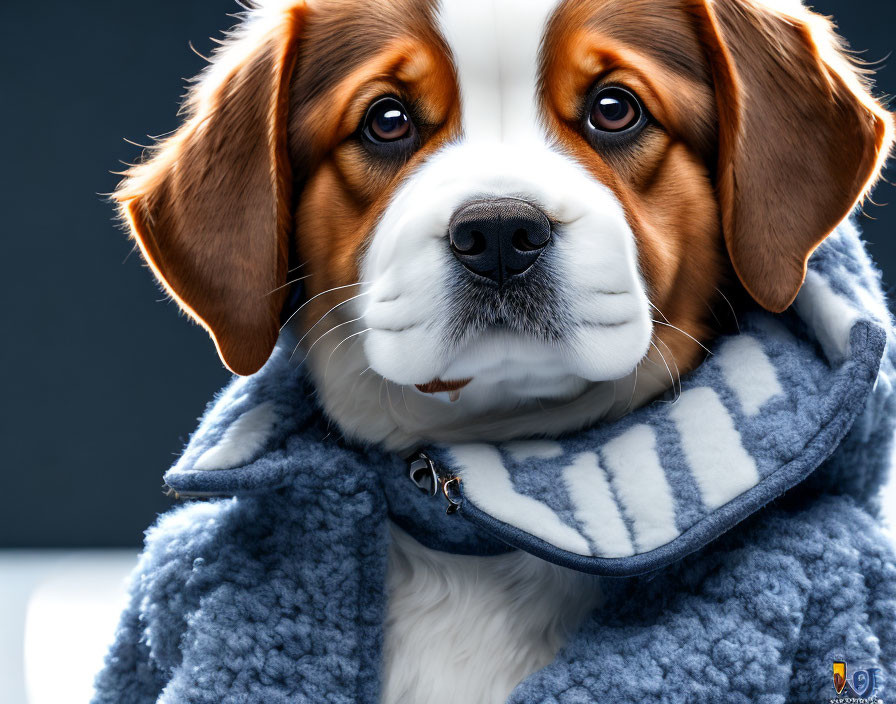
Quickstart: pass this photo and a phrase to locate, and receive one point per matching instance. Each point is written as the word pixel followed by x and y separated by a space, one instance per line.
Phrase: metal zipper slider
pixel 428 479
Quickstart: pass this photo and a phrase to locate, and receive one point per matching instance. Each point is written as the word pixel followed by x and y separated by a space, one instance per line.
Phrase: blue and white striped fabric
pixel 761 412
pixel 765 408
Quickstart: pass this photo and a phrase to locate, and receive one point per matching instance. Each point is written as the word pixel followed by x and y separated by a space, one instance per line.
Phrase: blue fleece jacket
pixel 736 526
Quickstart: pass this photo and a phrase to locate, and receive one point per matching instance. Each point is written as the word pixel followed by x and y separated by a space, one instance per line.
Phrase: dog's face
pixel 520 243
pixel 514 200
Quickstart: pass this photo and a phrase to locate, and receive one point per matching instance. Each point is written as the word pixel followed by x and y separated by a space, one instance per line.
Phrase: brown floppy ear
pixel 801 140
pixel 211 207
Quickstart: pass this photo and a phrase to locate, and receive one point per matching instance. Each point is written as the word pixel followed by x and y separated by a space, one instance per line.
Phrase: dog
pixel 500 219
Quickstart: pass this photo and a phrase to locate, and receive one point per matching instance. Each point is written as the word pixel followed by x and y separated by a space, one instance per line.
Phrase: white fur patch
pixel 721 466
pixel 241 442
pixel 466 630
pixel 595 507
pixel 496 46
pixel 749 373
pixel 486 482
pixel 641 486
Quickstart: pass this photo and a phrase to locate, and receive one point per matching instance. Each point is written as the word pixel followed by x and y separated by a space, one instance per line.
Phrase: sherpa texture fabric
pixel 277 595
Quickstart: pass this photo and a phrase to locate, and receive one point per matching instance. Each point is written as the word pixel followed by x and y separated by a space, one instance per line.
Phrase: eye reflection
pixel 615 110
pixel 387 121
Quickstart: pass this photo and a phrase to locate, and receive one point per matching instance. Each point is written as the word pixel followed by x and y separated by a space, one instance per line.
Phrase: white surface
pixel 58 612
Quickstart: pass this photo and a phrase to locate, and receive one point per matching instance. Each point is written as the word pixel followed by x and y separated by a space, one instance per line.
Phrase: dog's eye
pixel 615 110
pixel 387 121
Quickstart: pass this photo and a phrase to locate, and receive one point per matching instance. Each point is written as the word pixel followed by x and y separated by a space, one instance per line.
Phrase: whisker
pixel 288 283
pixel 313 344
pixel 663 359
pixel 662 315
pixel 321 319
pixel 631 400
pixel 669 325
pixel 391 410
pixel 318 295
pixel 405 400
pixel 666 364
pixel 733 313
pixel 355 385
pixel 712 311
pixel 674 363
pixel 327 365
pixel 380 394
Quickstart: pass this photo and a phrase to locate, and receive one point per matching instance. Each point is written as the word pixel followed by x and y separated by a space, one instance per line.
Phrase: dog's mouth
pixel 440 385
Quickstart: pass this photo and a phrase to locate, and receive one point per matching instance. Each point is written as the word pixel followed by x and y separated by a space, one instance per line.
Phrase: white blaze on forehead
pixel 496 46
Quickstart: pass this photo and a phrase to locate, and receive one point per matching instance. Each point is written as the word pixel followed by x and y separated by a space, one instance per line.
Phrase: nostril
pixel 478 246
pixel 523 243
pixel 471 242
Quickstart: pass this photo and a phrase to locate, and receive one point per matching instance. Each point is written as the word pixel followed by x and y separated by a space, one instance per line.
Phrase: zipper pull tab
pixel 427 478
pixel 451 490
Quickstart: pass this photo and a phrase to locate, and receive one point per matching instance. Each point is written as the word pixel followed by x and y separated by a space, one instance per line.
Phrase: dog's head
pixel 522 198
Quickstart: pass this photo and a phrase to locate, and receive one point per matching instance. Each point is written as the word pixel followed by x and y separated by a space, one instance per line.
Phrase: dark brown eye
pixel 387 121
pixel 615 110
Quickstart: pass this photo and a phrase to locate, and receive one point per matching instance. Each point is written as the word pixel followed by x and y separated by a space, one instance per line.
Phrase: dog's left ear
pixel 211 208
pixel 801 140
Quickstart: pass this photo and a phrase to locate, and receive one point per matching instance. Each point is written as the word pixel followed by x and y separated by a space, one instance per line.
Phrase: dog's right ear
pixel 211 206
pixel 801 139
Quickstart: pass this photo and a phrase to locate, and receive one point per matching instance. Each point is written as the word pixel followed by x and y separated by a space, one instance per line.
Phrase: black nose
pixel 499 239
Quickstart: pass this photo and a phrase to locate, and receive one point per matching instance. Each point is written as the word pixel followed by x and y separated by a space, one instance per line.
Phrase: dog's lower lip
pixel 437 385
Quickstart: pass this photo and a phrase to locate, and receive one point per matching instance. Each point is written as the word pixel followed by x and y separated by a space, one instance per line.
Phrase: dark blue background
pixel 100 380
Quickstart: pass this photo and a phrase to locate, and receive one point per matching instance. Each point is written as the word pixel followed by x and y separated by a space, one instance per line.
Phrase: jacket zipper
pixel 431 479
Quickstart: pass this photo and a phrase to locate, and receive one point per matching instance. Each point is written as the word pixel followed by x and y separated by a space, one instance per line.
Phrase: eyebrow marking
pixel 659 28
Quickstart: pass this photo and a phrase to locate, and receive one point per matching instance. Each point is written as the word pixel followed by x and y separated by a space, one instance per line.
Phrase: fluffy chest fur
pixel 469 629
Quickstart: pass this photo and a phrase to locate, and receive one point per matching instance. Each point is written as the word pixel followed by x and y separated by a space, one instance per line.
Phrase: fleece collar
pixel 763 411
